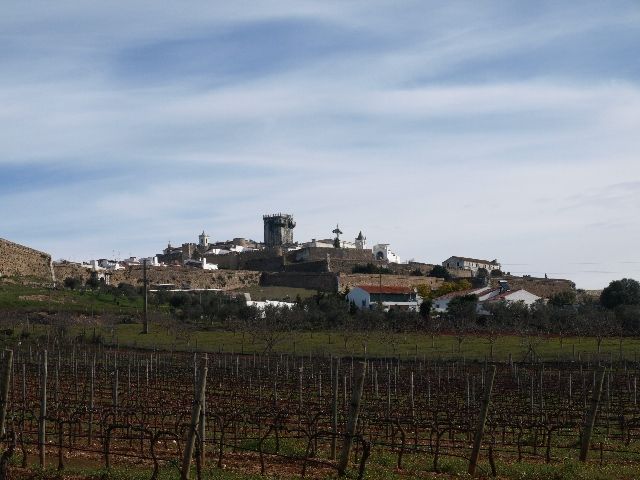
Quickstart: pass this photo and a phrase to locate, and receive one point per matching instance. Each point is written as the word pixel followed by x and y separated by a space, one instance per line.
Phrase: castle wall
pixel 542 287
pixel 181 277
pixel 18 260
pixel 325 282
pixel 310 254
pixel 354 279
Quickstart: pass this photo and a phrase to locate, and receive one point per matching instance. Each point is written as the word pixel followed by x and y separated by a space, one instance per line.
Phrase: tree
pixel 481 278
pixel 440 272
pixel 425 308
pixel 72 282
pixel 564 298
pixel 621 292
pixel 93 282
pixel 461 312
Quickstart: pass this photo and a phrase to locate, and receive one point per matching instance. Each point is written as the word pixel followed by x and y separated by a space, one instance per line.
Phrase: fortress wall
pixel 325 282
pixel 542 287
pixel 315 267
pixel 18 260
pixel 354 279
pixel 460 273
pixel 269 260
pixel 316 253
pixel 181 277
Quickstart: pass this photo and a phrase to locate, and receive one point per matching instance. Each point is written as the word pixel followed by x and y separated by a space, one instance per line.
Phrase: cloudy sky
pixel 506 130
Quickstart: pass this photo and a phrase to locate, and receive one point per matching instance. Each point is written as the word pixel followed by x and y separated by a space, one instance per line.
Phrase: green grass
pixel 18 297
pixel 378 344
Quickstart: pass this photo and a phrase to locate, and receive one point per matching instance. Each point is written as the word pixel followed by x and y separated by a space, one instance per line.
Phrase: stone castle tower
pixel 278 229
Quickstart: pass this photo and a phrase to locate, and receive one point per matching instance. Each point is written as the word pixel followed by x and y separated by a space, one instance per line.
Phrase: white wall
pixel 359 297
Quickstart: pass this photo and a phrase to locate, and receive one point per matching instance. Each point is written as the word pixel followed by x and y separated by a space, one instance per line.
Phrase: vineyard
pixel 176 414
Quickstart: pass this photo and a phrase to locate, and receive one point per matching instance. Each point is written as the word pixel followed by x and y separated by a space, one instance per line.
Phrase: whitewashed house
pixel 368 296
pixel 473 264
pixel 509 296
pixel 201 264
pixel 381 251
pixel 441 304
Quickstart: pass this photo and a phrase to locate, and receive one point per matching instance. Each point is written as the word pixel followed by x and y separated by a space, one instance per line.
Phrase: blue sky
pixel 501 130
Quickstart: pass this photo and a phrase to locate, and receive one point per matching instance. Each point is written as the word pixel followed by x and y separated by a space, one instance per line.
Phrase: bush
pixel 439 271
pixel 72 283
pixel 370 268
pixel 621 292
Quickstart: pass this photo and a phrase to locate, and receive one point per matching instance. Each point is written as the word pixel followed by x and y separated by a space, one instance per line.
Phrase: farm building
pixel 366 296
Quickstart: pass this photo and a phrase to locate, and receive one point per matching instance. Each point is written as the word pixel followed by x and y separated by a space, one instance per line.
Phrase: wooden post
pixel 484 409
pixel 145 304
pixel 43 412
pixel 195 417
pixel 354 411
pixel 590 420
pixel 91 399
pixel 4 388
pixel 334 409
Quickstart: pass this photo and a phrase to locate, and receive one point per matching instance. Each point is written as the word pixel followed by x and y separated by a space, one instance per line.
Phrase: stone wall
pixel 325 282
pixel 354 279
pixel 264 260
pixel 21 261
pixel 311 254
pixel 542 287
pixel 320 266
pixel 460 273
pixel 181 277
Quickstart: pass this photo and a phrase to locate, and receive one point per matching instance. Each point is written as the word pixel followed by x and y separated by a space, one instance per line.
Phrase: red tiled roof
pixel 384 289
pixel 502 296
pixel 477 260
pixel 461 293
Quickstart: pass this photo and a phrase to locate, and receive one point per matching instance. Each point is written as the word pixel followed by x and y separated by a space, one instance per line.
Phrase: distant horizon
pixel 476 128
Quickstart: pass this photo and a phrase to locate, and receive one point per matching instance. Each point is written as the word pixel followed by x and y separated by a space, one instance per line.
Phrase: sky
pixel 488 129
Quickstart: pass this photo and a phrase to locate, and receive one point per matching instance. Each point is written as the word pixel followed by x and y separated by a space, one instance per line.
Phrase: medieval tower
pixel 278 229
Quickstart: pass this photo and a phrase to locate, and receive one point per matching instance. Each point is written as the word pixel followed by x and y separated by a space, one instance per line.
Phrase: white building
pixel 441 304
pixel 201 264
pixel 203 240
pixel 509 296
pixel 473 264
pixel 327 243
pixel 487 296
pixel 381 251
pixel 367 296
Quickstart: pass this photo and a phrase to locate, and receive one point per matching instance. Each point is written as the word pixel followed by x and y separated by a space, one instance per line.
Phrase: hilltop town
pixel 368 276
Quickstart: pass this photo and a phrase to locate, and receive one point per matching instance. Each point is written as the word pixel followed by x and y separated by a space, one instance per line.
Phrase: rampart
pixel 264 260
pixel 181 277
pixel 18 260
pixel 325 282
pixel 543 287
pixel 354 279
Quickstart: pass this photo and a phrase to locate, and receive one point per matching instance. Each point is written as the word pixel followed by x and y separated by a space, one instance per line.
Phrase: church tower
pixel 361 241
pixel 203 240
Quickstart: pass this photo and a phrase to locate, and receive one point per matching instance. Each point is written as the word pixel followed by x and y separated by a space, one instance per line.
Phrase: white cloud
pixel 374 134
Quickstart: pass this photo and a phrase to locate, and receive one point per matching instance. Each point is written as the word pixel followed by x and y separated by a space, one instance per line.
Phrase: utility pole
pixel 145 296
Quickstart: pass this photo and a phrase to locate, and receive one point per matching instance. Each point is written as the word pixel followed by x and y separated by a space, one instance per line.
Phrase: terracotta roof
pixel 461 293
pixel 384 289
pixel 477 260
pixel 502 296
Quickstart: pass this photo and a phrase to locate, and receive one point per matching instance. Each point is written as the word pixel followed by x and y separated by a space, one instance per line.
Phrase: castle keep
pixel 278 230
